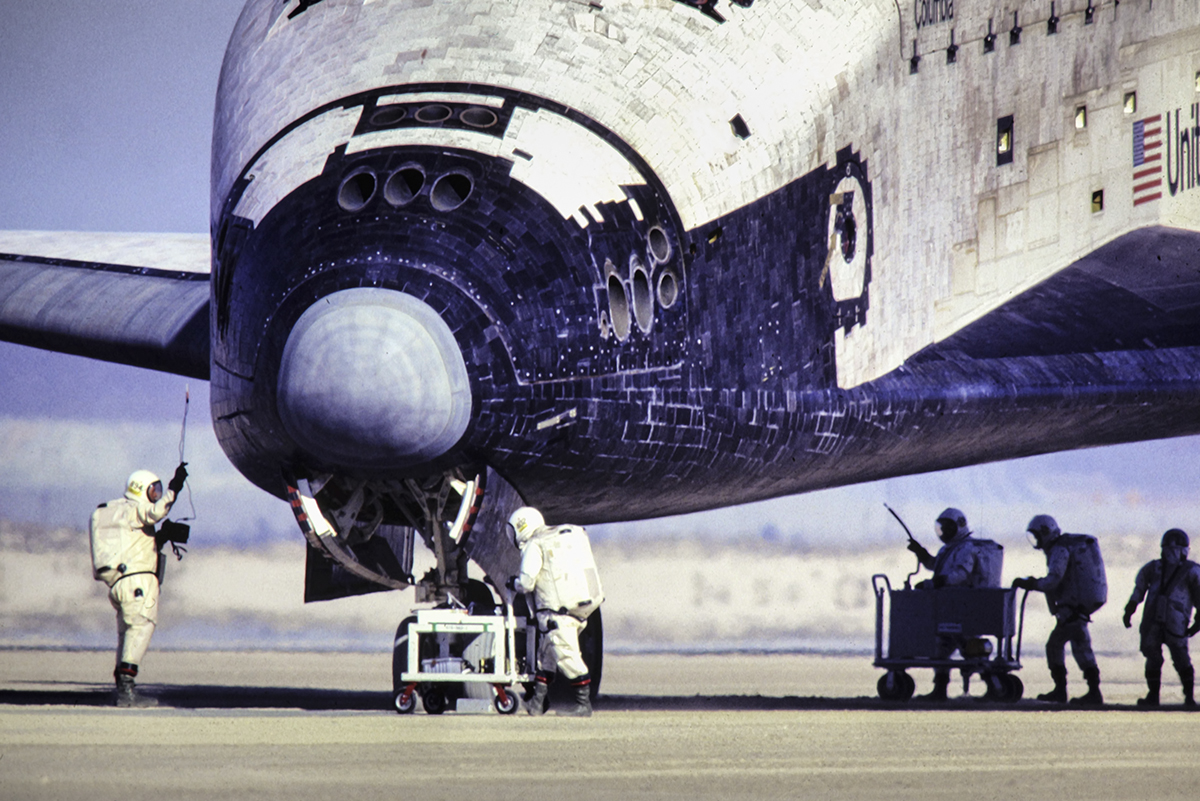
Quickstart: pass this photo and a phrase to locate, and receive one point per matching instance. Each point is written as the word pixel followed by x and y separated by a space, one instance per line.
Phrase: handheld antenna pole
pixel 187 399
pixel 911 538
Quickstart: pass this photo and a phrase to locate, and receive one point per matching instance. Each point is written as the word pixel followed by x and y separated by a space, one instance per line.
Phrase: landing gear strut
pixel 361 538
pixel 367 529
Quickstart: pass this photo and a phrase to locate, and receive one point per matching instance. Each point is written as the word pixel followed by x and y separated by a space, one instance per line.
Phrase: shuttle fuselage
pixel 642 262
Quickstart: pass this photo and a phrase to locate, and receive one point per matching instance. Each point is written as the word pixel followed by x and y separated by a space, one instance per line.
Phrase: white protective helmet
pixel 525 521
pixel 137 484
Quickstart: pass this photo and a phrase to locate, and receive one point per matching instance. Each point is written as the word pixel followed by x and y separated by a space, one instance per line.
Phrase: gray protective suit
pixel 1171 593
pixel 961 562
pixel 1072 621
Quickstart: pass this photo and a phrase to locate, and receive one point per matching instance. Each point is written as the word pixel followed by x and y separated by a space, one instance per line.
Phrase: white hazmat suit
pixel 558 568
pixel 125 556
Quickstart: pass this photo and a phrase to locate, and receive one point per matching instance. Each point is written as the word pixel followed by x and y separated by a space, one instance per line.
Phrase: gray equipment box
pixel 918 617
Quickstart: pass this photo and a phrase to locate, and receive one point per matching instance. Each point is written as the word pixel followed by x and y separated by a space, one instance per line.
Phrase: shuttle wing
pixel 137 299
pixel 1138 293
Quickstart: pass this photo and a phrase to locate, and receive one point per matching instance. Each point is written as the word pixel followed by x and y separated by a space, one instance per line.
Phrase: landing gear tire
pixel 435 701
pixel 896 685
pixel 591 646
pixel 506 702
pixel 480 599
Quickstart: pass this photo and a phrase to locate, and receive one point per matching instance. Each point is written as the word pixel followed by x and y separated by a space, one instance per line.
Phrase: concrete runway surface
pixel 318 726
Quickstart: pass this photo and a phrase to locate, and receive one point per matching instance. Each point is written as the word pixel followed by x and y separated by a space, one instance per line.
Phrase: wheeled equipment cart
pixel 458 654
pixel 920 627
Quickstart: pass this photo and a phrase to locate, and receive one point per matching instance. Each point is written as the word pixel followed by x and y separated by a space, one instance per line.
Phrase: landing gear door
pixel 389 552
pixel 489 545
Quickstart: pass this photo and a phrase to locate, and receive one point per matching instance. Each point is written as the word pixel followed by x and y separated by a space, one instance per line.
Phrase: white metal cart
pixel 454 649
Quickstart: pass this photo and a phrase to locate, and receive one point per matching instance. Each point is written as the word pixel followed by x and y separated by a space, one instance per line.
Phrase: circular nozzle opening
pixel 357 190
pixel 403 185
pixel 478 117
pixel 660 245
pixel 434 113
pixel 451 191
pixel 388 115
pixel 643 301
pixel 618 306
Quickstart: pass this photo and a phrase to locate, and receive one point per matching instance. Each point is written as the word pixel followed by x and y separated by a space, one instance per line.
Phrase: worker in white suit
pixel 126 557
pixel 558 568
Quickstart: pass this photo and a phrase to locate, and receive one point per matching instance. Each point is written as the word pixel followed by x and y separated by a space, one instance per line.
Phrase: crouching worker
pixel 1075 586
pixel 1171 587
pixel 558 568
pixel 126 557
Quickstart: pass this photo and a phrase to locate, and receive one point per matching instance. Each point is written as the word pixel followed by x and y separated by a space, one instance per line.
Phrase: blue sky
pixel 106 125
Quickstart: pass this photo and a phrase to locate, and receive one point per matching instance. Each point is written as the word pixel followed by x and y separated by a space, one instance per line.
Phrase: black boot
pixel 1059 694
pixel 1187 677
pixel 127 694
pixel 1153 683
pixel 1092 697
pixel 940 682
pixel 582 687
pixel 536 703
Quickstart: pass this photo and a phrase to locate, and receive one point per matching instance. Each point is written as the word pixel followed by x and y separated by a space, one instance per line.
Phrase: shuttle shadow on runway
pixel 210 697
pixel 318 700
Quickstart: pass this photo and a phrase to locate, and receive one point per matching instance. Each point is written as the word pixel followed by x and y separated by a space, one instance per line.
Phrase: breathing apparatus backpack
pixel 574 583
pixel 989 563
pixel 107 535
pixel 1085 585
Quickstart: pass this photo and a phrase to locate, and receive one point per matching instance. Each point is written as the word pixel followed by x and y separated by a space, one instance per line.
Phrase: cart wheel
pixel 400 653
pixel 896 685
pixel 1015 688
pixel 506 700
pixel 406 701
pixel 435 701
pixel 997 687
pixel 1004 688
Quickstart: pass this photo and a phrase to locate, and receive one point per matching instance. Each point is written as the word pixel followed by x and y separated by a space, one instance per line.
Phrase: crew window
pixel 1004 140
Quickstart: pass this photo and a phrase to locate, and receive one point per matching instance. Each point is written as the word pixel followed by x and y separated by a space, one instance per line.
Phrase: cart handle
pixel 1021 624
pixel 879 595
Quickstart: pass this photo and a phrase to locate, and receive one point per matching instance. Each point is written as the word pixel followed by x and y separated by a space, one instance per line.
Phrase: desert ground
pixel 732 670
pixel 318 725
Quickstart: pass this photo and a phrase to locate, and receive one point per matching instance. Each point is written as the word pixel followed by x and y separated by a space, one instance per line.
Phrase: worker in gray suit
pixel 961 562
pixel 1075 586
pixel 1171 587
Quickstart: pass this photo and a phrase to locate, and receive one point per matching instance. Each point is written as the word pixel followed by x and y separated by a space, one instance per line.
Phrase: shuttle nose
pixel 373 378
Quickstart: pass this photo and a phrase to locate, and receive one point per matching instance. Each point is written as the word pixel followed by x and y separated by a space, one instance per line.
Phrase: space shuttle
pixel 619 259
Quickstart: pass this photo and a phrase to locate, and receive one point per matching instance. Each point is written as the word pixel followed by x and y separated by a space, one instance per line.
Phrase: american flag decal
pixel 1147 160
